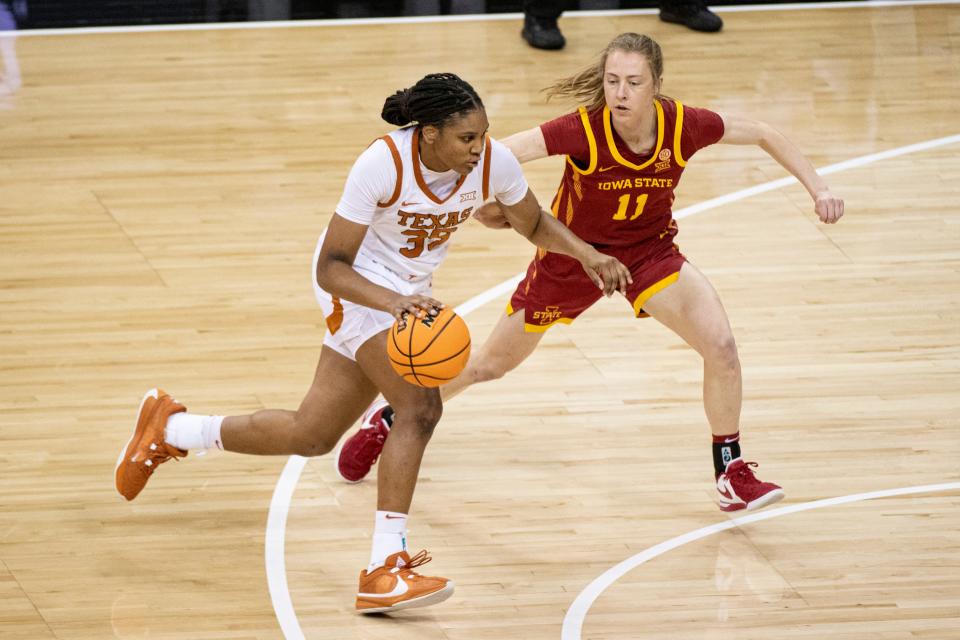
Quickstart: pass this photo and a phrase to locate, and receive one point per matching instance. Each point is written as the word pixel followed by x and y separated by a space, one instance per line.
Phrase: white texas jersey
pixel 412 211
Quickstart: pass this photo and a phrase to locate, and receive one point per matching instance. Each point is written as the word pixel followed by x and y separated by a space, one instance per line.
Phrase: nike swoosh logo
pixel 398 590
pixel 390 517
pixel 602 169
pixel 408 204
pixel 729 440
pixel 726 491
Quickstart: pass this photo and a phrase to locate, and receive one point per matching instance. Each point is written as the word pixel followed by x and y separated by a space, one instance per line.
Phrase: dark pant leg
pixel 543 8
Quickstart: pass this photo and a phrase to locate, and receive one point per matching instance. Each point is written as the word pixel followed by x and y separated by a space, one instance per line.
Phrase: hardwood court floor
pixel 160 197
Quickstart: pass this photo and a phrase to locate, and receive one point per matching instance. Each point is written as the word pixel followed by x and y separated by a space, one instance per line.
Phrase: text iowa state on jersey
pixel 611 195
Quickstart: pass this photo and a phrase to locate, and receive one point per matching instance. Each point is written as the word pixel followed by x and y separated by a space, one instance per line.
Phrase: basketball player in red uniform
pixel 626 150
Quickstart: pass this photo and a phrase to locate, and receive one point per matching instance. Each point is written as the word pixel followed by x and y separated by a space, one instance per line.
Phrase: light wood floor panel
pixel 160 197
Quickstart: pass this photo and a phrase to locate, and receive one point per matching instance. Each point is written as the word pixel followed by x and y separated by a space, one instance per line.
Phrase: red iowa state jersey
pixel 610 196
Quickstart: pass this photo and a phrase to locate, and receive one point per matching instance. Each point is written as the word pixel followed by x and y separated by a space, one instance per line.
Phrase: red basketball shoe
pixel 358 453
pixel 740 489
pixel 396 585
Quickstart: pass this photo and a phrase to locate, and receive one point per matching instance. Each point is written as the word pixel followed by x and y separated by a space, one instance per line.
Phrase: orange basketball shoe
pixel 358 453
pixel 396 585
pixel 740 489
pixel 146 448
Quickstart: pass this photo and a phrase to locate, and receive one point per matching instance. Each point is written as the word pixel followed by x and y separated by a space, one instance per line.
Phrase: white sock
pixel 190 431
pixel 389 537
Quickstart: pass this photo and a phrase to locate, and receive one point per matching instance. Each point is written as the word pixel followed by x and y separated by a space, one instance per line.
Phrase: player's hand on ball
pixel 417 305
pixel 491 215
pixel 829 207
pixel 607 272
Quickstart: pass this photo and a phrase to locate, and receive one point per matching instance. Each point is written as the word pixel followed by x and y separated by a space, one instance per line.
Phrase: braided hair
pixel 435 100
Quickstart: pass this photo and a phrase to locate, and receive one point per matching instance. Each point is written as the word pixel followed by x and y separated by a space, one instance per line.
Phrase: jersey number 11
pixel 621 213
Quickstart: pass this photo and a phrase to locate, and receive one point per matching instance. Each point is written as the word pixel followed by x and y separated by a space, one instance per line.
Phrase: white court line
pixel 345 22
pixel 853 163
pixel 573 621
pixel 273 545
pixel 481 299
pixel 283 493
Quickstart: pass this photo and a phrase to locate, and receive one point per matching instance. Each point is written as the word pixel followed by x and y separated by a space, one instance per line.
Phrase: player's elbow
pixel 322 274
pixel 766 136
pixel 326 273
pixel 529 231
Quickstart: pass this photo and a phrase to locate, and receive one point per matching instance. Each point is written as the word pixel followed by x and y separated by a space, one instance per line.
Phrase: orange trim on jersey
pixel 608 132
pixel 419 176
pixel 650 291
pixel 399 165
pixel 486 168
pixel 591 140
pixel 335 319
pixel 677 131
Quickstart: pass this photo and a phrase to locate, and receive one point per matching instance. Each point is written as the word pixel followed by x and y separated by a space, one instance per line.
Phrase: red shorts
pixel 556 288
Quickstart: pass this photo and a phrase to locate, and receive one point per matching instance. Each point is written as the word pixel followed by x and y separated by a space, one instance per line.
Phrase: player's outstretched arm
pixel 542 229
pixel 740 130
pixel 527 145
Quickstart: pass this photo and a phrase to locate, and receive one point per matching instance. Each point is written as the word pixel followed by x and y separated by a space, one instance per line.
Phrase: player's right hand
pixel 828 207
pixel 416 305
pixel 607 272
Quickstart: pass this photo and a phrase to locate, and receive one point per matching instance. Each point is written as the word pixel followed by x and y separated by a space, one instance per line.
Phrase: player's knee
pixel 311 440
pixel 317 445
pixel 723 352
pixel 427 416
pixel 422 417
pixel 490 369
pixel 312 447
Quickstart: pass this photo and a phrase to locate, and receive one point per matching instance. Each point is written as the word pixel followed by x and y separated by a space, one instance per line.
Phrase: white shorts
pixel 349 325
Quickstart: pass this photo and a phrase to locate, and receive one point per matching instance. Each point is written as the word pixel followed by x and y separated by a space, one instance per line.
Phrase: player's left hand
pixel 829 208
pixel 491 215
pixel 607 272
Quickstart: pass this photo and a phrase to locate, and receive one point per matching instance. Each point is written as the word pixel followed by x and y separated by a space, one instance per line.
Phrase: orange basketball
pixel 431 350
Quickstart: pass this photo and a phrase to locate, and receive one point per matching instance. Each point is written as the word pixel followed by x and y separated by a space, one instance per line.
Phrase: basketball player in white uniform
pixel 405 197
pixel 411 213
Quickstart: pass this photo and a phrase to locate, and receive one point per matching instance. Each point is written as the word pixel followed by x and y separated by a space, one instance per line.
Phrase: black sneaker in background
pixel 690 13
pixel 542 33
